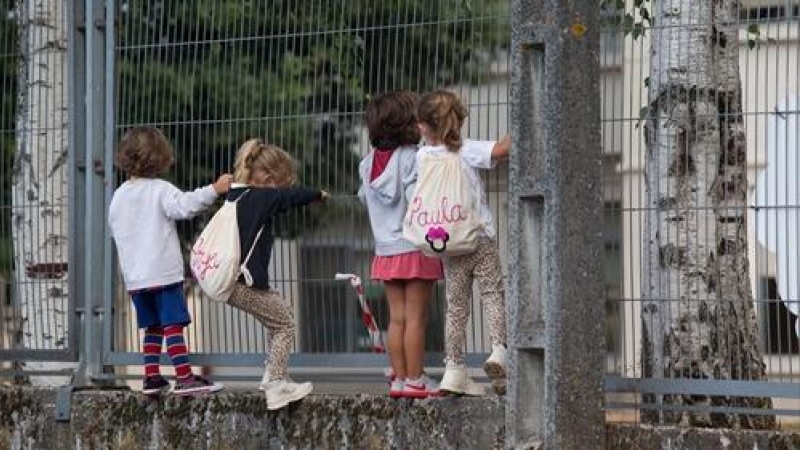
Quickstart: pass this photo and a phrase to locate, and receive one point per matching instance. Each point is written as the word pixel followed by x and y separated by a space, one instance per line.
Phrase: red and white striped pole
pixel 366 313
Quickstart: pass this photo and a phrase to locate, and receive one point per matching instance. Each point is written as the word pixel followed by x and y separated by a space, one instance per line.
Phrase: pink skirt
pixel 407 266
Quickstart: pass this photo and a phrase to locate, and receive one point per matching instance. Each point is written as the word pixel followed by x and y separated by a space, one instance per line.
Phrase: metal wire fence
pixel 298 74
pixel 35 306
pixel 641 276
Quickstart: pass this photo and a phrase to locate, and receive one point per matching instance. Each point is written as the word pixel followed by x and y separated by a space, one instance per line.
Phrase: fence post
pixel 90 99
pixel 556 303
pixel 76 125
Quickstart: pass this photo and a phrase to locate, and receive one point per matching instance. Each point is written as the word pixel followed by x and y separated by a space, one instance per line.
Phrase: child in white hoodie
pixel 142 219
pixel 388 174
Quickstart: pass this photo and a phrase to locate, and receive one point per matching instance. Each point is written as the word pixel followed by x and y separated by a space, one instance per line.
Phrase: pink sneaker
pixel 423 387
pixel 396 388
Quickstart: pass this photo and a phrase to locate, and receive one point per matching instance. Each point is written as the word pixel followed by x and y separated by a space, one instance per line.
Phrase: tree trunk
pixel 697 312
pixel 40 182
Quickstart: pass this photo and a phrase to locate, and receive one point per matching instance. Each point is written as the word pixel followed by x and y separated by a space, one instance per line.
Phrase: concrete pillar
pixel 556 304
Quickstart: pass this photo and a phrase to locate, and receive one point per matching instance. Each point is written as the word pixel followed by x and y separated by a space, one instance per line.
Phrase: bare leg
pixel 395 293
pixel 418 295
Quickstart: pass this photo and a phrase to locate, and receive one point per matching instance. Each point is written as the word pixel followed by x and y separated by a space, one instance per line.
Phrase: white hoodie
pixel 142 219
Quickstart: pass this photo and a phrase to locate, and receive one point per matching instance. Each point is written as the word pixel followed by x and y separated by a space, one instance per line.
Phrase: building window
pixel 612 274
pixel 777 10
pixel 329 314
pixel 777 323
pixel 330 318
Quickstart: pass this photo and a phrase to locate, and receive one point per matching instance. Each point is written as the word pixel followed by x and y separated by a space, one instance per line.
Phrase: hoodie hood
pixel 388 185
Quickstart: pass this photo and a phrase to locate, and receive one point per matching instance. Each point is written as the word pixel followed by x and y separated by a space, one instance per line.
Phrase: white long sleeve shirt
pixel 142 218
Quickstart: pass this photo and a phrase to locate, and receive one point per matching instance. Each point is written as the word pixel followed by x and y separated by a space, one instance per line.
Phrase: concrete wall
pixel 238 420
pixel 644 437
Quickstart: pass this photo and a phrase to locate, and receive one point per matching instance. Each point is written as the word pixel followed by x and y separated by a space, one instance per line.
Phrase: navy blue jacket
pixel 260 207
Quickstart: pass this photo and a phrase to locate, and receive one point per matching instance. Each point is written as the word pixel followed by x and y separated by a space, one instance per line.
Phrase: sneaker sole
pixel 494 370
pixel 413 394
pixel 470 390
pixel 499 386
pixel 156 392
pixel 396 394
pixel 296 397
pixel 198 391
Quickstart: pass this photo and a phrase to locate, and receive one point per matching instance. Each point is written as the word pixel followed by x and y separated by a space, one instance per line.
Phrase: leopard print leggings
pixel 482 266
pixel 269 308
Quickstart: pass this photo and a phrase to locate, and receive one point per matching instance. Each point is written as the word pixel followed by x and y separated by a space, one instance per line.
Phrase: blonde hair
pixel 255 155
pixel 444 113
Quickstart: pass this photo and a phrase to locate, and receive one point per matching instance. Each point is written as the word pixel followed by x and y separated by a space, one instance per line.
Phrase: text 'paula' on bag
pixel 442 218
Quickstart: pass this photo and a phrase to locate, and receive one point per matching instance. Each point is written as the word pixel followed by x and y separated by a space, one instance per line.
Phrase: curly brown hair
pixel 392 120
pixel 444 113
pixel 144 152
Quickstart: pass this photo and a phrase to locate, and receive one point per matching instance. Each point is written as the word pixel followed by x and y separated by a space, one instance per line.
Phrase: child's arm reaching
pixel 185 205
pixel 485 154
pixel 300 196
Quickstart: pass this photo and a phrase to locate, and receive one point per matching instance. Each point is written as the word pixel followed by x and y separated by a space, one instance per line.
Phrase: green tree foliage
pixel 296 73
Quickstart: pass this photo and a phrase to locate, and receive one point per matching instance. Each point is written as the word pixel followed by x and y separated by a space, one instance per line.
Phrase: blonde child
pixel 142 219
pixel 441 115
pixel 264 188
pixel 388 175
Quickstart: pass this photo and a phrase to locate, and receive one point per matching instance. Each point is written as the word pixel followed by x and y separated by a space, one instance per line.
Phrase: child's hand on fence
pixel 223 183
pixel 502 148
pixel 324 196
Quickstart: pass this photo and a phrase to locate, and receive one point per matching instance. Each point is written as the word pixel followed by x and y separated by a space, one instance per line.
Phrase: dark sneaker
pixel 155 385
pixel 194 385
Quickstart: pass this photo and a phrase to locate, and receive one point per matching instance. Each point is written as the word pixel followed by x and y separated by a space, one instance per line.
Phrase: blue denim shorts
pixel 161 306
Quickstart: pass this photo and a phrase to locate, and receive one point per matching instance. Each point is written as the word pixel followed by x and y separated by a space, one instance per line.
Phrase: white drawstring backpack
pixel 442 217
pixel 215 258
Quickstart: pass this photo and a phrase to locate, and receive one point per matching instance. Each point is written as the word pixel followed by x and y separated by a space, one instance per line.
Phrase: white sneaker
pixel 264 381
pixel 456 381
pixel 282 392
pixel 396 388
pixel 431 385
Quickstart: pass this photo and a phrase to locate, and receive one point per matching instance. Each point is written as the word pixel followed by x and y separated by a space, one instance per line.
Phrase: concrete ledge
pixel 239 420
pixel 646 437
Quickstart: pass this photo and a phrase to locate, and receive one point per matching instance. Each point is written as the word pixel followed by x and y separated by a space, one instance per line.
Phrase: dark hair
pixel 444 113
pixel 144 152
pixel 392 120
